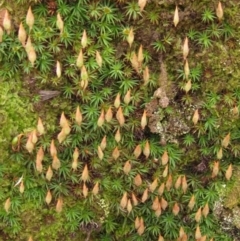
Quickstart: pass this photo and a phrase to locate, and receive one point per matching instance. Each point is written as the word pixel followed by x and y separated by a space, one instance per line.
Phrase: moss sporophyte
pixel 124 120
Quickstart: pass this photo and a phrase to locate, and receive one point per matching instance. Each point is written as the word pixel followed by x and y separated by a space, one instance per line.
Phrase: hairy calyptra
pixel 22 35
pixel 60 23
pixel 30 18
pixel 176 17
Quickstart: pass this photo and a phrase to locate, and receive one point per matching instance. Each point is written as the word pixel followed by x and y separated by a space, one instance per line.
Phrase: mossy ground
pixel 214 72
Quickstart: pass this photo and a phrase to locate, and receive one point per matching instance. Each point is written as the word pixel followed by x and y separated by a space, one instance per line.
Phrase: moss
pixel 189 152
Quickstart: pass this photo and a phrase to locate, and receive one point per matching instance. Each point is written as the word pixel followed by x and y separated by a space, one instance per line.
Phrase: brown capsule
pixel 146 150
pixel 48 197
pixel 85 82
pixel 228 173
pixel 164 203
pixel 95 190
pixel 137 151
pixel 181 232
pixel 124 200
pixel 100 153
pixel 118 136
pixel 195 117
pixel 30 18
pixel 115 153
pixel 120 116
pixel 63 120
pixel 158 212
pixel 84 75
pixel 160 238
pixel 40 127
pixel 30 238
pixel 117 101
pixel 80 59
pixel 84 39
pixel 226 140
pixel 40 155
pixel 137 222
pixel 129 206
pixel 184 237
pixel 109 115
pixel 175 209
pixel 146 75
pixel 198 234
pixel 101 119
pixel 75 164
pixel 178 182
pixel 30 144
pixel 205 210
pixel 141 228
pixel 140 56
pixel 60 23
pixel 185 48
pixel 134 62
pixel 219 11
pixel 127 97
pixel 21 187
pixel 144 120
pixel 85 174
pixel 61 136
pixel 142 4
pixel 39 166
pixel 134 199
pixel 215 169
pixel 99 59
pixel 165 172
pixel 176 17
pixel 130 37
pixel 78 116
pixel 85 190
pixel 22 35
pixel 66 130
pixel 127 167
pixel 186 69
pixel 165 158
pixel 161 189
pixel 138 180
pixel 153 185
pixel 75 154
pixel 58 69
pixel 7 205
pixel 103 143
pixel 49 174
pixel 220 153
pixel 28 45
pixel 191 202
pixel 188 86
pixel 203 238
pixel 7 22
pixel 53 150
pixel 145 195
pixel 34 136
pixel 32 56
pixel 169 182
pixel 56 163
pixel 155 204
pixel 184 184
pixel 198 215
pixel 59 205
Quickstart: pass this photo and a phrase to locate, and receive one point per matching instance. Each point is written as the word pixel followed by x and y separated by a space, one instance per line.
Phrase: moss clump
pixel 98 170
